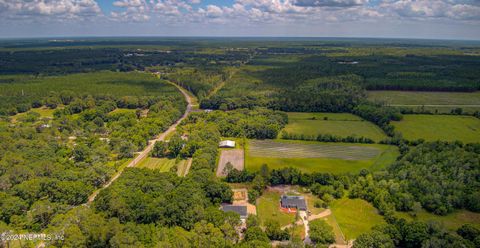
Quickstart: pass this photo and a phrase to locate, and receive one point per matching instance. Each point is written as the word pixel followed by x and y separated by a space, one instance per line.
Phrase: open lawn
pixel 451 221
pixel 439 127
pixel 268 208
pixel 342 125
pixel 162 164
pixel 355 216
pixel 442 102
pixel 318 157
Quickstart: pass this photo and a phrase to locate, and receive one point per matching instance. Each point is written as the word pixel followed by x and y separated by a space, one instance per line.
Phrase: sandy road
pixel 143 154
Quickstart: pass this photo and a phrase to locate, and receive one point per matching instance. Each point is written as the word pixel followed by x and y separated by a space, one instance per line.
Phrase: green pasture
pixel 439 127
pixel 451 221
pixel 162 164
pixel 355 216
pixel 342 125
pixel 337 158
pixel 268 208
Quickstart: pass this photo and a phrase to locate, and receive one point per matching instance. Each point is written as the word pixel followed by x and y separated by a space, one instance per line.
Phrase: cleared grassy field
pixel 268 208
pixel 452 221
pixel 44 112
pixel 342 125
pixel 355 216
pixel 318 157
pixel 162 164
pixel 123 111
pixel 439 127
pixel 442 102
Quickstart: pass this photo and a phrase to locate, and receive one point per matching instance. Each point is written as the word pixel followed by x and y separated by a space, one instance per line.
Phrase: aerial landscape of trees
pixel 75 114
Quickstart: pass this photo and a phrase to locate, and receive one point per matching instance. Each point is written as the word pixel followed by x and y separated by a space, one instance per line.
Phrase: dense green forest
pixel 50 164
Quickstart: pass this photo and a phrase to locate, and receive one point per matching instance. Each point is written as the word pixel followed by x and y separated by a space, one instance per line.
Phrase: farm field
pixel 162 164
pixel 451 221
pixel 232 156
pixel 342 125
pixel 268 208
pixel 439 127
pixel 355 216
pixel 318 157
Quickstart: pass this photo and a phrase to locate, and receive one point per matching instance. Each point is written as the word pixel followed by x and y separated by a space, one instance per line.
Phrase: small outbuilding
pixel 297 202
pixel 227 144
pixel 241 210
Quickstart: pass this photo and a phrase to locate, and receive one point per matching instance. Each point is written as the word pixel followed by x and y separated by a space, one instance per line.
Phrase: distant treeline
pixel 74 60
pixel 380 72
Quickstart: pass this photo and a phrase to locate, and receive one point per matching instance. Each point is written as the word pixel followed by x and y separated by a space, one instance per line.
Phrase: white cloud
pixel 330 3
pixel 57 8
pixel 428 9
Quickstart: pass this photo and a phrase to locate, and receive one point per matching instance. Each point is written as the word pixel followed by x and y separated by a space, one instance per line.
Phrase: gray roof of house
pixel 294 202
pixel 241 210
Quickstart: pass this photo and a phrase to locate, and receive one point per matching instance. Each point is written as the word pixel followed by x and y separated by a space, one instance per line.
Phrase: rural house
pixel 227 144
pixel 241 210
pixel 297 202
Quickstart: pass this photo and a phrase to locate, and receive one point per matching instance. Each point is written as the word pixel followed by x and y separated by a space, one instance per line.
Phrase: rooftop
pixel 241 210
pixel 227 143
pixel 297 202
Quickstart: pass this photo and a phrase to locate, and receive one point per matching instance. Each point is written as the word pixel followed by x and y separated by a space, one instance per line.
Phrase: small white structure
pixel 227 144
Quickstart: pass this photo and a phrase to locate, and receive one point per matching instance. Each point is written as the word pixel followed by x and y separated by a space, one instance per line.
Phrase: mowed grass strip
pixel 355 216
pixel 439 127
pixel 290 154
pixel 161 164
pixel 268 208
pixel 341 124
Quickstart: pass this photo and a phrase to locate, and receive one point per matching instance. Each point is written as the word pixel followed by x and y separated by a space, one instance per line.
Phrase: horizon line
pixel 235 36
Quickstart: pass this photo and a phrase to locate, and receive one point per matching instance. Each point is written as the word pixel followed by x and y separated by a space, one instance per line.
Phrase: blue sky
pixel 442 19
